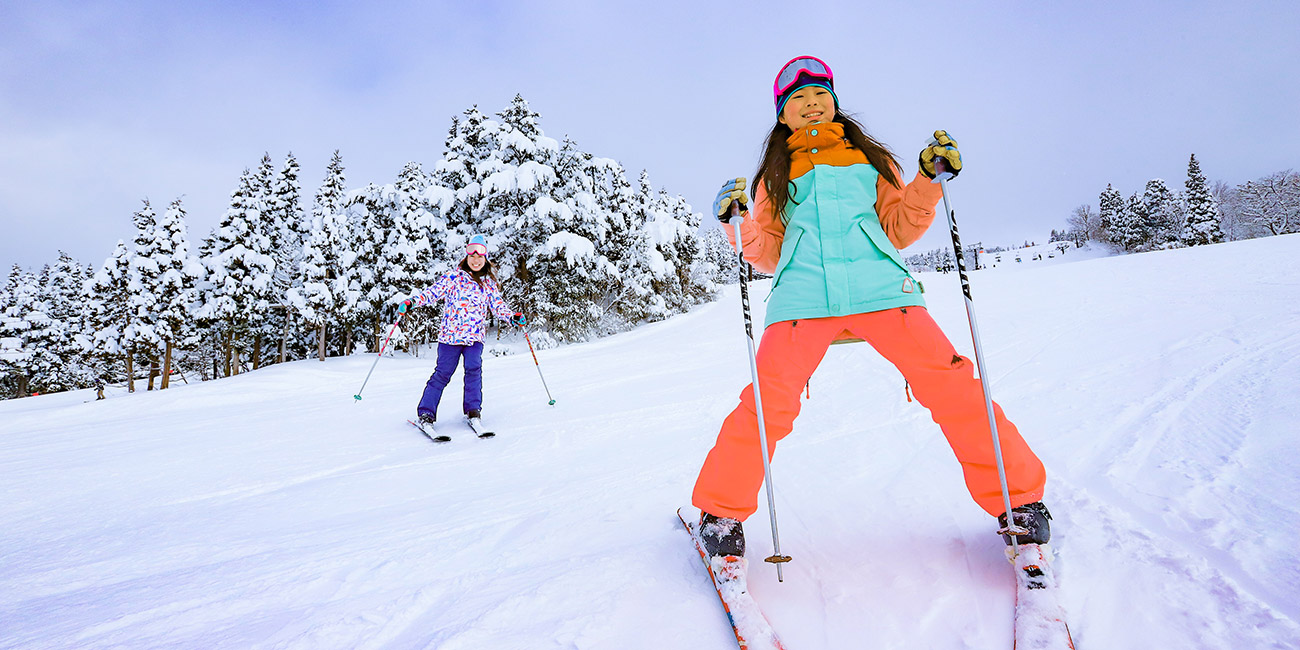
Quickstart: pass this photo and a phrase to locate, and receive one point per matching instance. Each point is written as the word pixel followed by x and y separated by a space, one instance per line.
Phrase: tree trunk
pixel 347 346
pixel 130 373
pixel 320 341
pixel 284 336
pixel 227 346
pixel 167 366
pixel 235 354
pixel 153 371
pixel 22 385
pixel 257 351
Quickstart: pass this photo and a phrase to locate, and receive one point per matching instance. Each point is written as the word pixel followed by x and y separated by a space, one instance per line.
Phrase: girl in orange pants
pixel 831 213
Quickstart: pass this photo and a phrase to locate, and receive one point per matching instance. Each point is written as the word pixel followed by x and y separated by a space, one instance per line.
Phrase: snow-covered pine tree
pixel 470 141
pixel 265 324
pixel 720 263
pixel 65 289
pixel 40 337
pixel 108 313
pixel 288 227
pixel 239 268
pixel 320 291
pixel 627 241
pixel 1127 223
pixel 8 335
pixel 518 209
pixel 374 214
pixel 672 232
pixel 575 282
pixel 144 282
pixel 1163 214
pixel 1136 230
pixel 421 227
pixel 1201 225
pixel 1110 206
pixel 324 291
pixel 177 288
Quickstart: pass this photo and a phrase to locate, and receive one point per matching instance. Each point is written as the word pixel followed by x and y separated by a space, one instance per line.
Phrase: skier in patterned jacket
pixel 468 292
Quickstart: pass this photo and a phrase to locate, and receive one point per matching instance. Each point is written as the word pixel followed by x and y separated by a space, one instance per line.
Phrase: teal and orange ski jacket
pixel 836 254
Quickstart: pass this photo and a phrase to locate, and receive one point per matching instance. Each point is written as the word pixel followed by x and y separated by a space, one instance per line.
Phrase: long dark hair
pixel 488 271
pixel 774 169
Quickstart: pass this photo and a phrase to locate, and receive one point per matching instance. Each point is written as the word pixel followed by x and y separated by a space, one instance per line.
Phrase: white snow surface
pixel 272 510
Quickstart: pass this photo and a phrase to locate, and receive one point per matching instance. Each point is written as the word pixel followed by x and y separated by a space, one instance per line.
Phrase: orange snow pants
pixel 942 381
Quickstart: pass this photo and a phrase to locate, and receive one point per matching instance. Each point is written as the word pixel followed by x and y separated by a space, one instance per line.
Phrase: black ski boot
pixel 473 414
pixel 1033 517
pixel 722 536
pixel 426 421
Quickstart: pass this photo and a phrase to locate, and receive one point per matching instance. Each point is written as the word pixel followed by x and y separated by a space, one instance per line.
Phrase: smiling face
pixel 808 105
pixel 476 261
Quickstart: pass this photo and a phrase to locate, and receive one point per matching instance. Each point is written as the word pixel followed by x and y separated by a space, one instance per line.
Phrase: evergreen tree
pixel 627 242
pixel 469 143
pixel 64 288
pixel 144 283
pixel 575 281
pixel 672 232
pixel 264 323
pixel 518 206
pixel 239 269
pixel 372 216
pixel 108 312
pixel 1111 207
pixel 1201 225
pixel 177 287
pixel 325 294
pixel 40 338
pixel 721 265
pixel 1163 214
pixel 288 228
pixel 1127 224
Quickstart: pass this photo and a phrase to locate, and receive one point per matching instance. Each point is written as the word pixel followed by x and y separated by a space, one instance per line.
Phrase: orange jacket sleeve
pixel 905 214
pixel 761 234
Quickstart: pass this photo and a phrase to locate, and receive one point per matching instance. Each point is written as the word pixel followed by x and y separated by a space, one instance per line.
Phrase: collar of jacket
pixel 820 144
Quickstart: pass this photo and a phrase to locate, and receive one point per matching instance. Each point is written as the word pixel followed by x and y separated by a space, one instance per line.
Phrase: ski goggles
pixel 798 72
pixel 476 250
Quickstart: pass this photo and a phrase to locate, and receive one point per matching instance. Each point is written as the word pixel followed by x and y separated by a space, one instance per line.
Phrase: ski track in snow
pixel 271 510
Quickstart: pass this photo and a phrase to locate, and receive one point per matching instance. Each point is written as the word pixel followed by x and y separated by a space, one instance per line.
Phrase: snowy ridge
pixel 271 510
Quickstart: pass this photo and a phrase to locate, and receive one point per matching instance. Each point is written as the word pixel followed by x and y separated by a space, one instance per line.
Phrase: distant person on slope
pixel 468 292
pixel 830 214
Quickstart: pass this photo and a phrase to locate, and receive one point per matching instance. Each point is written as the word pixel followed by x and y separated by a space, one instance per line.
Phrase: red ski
pixel 752 630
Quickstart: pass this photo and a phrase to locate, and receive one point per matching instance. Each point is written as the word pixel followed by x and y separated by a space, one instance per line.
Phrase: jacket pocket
pixel 787 256
pixel 887 247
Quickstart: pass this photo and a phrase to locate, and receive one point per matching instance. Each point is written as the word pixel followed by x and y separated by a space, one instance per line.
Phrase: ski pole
pixel 539 369
pixel 776 557
pixel 1012 530
pixel 380 355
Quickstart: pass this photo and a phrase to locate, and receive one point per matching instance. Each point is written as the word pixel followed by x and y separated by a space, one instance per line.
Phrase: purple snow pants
pixel 448 358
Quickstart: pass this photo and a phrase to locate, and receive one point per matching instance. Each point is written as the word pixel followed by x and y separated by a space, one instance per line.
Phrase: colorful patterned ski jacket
pixel 837 252
pixel 465 306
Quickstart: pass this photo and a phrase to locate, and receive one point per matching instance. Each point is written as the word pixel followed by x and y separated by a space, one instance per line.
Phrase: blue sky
pixel 103 104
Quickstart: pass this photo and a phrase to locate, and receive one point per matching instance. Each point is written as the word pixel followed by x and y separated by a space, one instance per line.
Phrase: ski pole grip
pixel 941 172
pixel 735 211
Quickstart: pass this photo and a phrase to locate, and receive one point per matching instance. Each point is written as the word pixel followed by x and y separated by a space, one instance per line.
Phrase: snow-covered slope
pixel 272 510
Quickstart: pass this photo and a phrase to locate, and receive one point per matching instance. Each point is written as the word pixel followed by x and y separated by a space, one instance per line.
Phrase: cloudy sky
pixel 103 104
